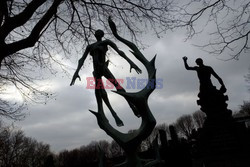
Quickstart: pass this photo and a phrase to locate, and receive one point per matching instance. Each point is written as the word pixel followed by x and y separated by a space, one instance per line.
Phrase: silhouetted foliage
pixel 89 155
pixel 199 118
pixel 18 150
pixel 245 108
pixel 86 155
pixel 184 125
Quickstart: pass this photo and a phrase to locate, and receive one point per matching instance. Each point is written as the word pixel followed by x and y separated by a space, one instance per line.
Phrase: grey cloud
pixel 66 123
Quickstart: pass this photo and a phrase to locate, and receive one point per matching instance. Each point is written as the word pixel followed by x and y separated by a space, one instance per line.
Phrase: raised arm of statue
pixel 186 64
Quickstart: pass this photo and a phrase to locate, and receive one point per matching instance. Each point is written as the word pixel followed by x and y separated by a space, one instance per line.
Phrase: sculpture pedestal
pixel 223 142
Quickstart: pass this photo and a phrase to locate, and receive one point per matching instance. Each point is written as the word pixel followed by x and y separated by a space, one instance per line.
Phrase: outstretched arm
pixel 186 64
pixel 80 64
pixel 123 55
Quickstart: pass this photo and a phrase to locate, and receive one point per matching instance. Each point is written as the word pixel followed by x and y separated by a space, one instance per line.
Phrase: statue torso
pixel 98 52
pixel 204 75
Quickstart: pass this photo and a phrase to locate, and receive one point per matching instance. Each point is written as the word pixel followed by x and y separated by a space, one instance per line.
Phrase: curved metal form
pixel 130 141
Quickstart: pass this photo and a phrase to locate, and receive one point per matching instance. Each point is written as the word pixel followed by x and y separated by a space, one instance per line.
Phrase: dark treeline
pixel 17 150
pixel 90 155
pixel 176 140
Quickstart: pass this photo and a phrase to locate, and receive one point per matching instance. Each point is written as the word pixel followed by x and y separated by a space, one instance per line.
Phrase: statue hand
pixel 75 76
pixel 137 69
pixel 184 58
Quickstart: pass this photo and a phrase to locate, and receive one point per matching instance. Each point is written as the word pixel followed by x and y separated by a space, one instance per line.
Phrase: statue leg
pixel 102 94
pixel 119 88
pixel 99 99
pixel 106 100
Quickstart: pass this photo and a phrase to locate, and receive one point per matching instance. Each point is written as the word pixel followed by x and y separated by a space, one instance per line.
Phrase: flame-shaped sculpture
pixel 131 141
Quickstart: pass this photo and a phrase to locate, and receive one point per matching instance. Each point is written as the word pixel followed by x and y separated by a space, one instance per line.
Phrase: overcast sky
pixel 65 122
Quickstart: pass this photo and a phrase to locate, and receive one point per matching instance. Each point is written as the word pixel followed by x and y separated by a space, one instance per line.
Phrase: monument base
pixel 223 143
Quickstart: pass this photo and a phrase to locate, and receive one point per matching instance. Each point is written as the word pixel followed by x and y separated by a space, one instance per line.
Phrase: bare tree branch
pixel 32 32
pixel 35 33
pixel 20 19
pixel 185 125
pixel 228 22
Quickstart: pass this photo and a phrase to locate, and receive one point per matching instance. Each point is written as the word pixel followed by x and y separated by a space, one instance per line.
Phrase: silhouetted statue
pixel 138 101
pixel 212 101
pixel 204 74
pixel 221 140
pixel 98 52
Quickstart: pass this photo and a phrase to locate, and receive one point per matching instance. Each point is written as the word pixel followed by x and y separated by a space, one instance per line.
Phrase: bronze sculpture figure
pixel 98 52
pixel 129 142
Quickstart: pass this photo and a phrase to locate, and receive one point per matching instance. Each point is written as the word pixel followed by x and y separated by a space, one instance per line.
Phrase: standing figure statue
pixel 98 52
pixel 204 74
pixel 212 101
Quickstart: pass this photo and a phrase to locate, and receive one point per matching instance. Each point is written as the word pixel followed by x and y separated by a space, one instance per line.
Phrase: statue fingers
pixel 138 71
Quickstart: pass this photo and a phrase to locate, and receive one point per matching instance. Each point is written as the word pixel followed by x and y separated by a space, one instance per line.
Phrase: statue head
pixel 199 61
pixel 99 34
